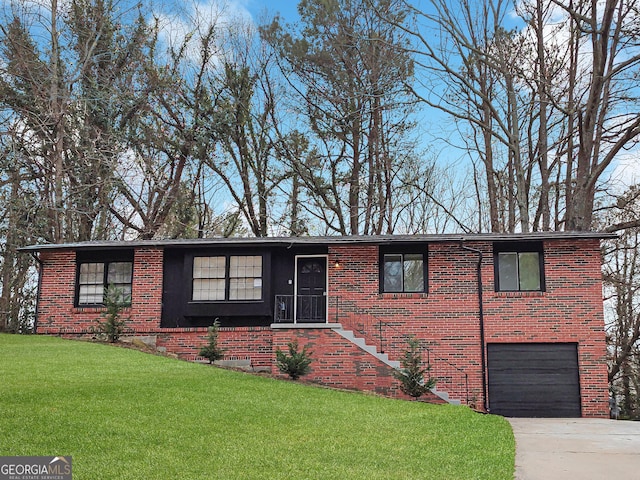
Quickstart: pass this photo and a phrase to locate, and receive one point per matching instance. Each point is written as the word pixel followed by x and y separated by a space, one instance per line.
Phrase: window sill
pixel 399 295
pixel 519 294
pixel 96 309
pixel 221 302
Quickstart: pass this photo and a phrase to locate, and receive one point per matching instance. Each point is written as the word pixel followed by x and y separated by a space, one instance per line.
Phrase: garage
pixel 533 379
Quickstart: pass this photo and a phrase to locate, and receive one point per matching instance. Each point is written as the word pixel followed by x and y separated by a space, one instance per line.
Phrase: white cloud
pixel 191 23
pixel 626 170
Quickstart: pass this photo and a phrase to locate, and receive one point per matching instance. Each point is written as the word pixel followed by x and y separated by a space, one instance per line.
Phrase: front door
pixel 311 290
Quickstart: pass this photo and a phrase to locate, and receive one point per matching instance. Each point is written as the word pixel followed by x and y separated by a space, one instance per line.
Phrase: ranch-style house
pixel 508 323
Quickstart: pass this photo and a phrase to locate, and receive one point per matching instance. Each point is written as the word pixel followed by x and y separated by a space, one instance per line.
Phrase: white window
pixel 245 278
pixel 242 279
pixel 208 278
pixel 91 284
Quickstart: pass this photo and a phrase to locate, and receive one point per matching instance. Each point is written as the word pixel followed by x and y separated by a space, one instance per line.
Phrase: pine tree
pixel 112 325
pixel 412 374
pixel 295 364
pixel 212 351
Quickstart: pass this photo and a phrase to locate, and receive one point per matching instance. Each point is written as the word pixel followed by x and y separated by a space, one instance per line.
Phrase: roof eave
pixel 337 240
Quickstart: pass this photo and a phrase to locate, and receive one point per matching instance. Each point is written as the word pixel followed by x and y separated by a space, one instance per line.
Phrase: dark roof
pixel 330 240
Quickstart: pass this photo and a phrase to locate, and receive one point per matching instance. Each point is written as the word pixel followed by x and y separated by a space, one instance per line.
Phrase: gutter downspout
pixel 39 268
pixel 481 320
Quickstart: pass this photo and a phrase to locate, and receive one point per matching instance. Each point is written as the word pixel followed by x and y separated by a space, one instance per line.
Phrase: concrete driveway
pixel 576 448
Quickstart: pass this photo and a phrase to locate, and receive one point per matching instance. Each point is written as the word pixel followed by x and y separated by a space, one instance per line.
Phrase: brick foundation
pixel 338 363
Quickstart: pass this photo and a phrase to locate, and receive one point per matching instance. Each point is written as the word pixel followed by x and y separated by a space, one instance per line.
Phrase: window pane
pixel 91 274
pixel 91 294
pixel 392 273
pixel 257 268
pixel 245 289
pixel 209 278
pixel 119 278
pixel 508 271
pixel 119 272
pixel 125 293
pixel 529 270
pixel 245 266
pixel 208 289
pixel 245 277
pixel 312 267
pixel 236 265
pixel 119 293
pixel 92 288
pixel 413 273
pixel 209 267
pixel 91 284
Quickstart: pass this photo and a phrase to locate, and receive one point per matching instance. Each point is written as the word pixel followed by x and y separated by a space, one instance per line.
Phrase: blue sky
pixel 257 9
pixel 286 8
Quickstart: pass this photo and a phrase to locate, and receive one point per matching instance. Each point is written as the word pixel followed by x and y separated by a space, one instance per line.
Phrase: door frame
pixel 295 284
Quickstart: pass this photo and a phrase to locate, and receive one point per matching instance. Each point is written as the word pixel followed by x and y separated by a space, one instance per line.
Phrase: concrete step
pixel 361 342
pixel 445 396
pixel 370 349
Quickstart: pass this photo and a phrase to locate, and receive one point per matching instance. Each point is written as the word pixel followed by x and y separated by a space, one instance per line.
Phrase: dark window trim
pixel 403 250
pixel 518 247
pixel 104 257
pixel 227 255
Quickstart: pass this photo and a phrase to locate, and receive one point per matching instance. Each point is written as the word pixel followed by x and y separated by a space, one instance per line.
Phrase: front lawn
pixel 123 414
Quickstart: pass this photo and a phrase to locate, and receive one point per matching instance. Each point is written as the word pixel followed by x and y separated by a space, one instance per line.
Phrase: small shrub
pixel 212 351
pixel 112 325
pixel 295 363
pixel 412 374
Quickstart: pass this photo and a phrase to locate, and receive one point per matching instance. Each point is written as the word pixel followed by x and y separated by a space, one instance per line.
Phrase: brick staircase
pixel 384 358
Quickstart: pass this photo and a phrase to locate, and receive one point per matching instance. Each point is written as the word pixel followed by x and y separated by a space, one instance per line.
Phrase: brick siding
pixel 446 318
pixel 57 313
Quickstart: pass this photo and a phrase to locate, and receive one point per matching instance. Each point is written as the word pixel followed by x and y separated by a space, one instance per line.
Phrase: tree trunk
pixel 542 81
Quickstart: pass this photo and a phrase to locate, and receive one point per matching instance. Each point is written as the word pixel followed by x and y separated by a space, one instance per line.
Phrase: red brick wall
pixel 56 311
pixel 338 363
pixel 57 314
pixel 570 310
pixel 240 343
pixel 447 320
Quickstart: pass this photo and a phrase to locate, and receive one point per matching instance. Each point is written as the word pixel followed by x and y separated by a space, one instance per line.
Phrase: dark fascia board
pixel 329 240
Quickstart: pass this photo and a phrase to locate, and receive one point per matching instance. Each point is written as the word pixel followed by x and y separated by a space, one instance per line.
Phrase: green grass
pixel 123 414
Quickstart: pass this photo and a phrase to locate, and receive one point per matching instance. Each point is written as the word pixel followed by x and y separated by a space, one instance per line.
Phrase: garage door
pixel 533 379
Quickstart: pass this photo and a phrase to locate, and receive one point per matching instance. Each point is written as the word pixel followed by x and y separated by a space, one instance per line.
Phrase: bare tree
pixel 169 139
pixel 20 225
pixel 548 105
pixel 622 289
pixel 247 125
pixel 469 74
pixel 603 102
